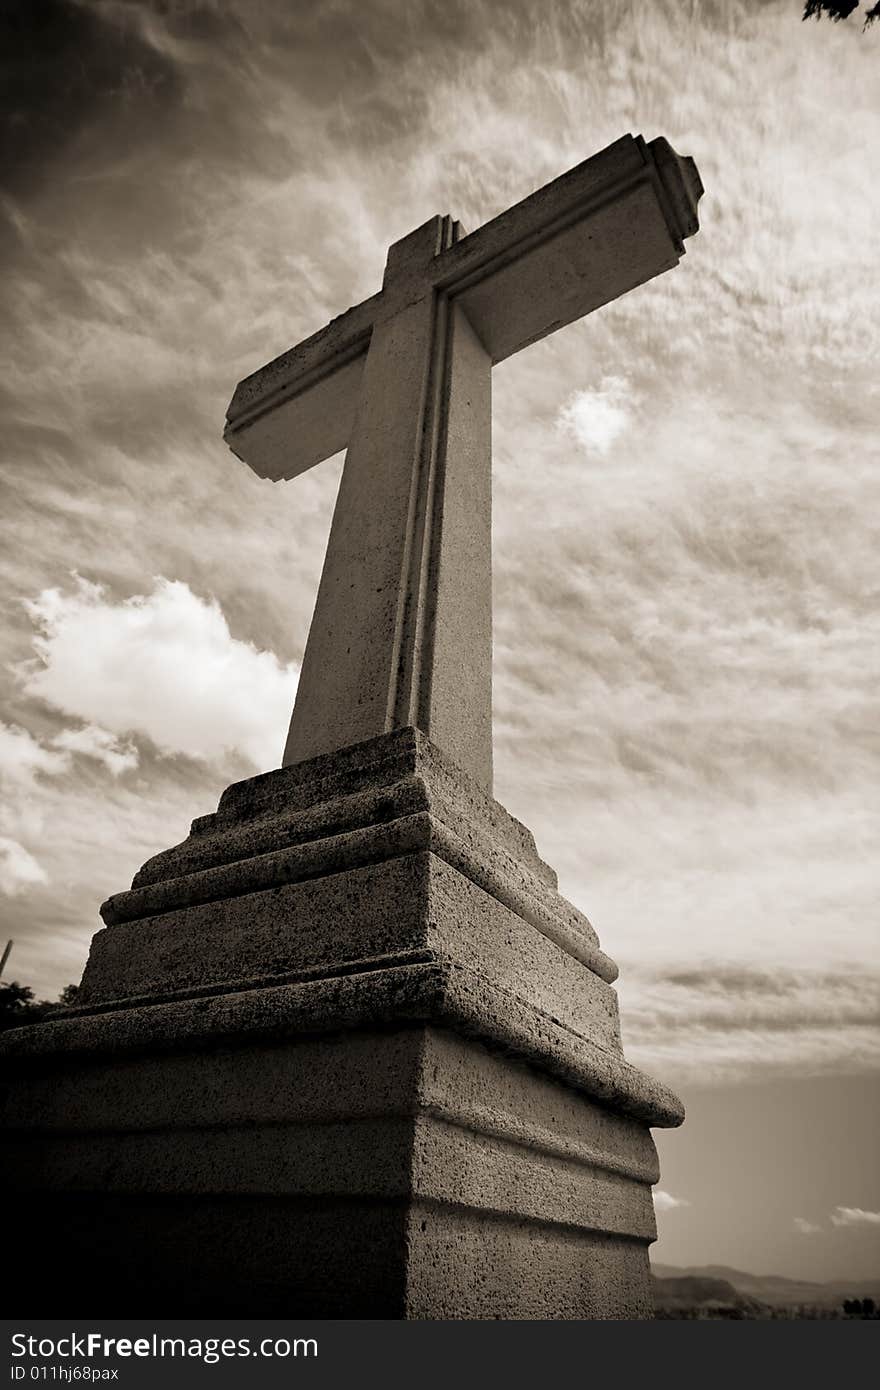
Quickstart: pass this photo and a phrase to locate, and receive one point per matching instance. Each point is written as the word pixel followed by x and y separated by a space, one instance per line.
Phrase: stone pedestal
pixel 345 1052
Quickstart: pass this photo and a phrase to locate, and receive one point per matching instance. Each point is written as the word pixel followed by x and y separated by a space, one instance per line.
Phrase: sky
pixel 685 510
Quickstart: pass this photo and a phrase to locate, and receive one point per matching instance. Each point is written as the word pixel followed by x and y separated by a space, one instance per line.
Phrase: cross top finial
pixel 420 246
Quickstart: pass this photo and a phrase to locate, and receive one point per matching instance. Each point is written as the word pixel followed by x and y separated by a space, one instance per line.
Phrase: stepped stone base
pixel 345 1052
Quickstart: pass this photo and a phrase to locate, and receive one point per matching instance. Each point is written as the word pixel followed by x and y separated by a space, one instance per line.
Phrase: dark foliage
pixel 19 1007
pixel 838 9
pixel 860 1308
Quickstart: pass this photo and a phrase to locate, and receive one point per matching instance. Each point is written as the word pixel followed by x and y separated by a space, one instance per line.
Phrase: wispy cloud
pixel 93 742
pixel 806 1228
pixel 18 867
pixel 725 1022
pixel 854 1216
pixel 24 767
pixel 28 770
pixel 23 758
pixel 664 1201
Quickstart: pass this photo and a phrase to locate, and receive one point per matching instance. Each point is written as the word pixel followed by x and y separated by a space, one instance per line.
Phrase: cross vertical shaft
pixel 402 630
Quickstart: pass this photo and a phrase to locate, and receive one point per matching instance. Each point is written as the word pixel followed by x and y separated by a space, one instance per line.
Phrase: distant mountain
pixel 691 1291
pixel 774 1289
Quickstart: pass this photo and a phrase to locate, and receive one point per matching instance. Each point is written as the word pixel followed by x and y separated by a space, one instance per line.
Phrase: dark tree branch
pixel 837 10
pixel 834 9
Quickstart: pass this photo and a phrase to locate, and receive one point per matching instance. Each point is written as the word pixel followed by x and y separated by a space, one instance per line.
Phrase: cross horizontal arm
pixel 604 227
pixel 599 230
pixel 299 408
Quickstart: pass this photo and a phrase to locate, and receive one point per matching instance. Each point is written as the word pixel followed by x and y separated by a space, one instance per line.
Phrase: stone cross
pixel 402 630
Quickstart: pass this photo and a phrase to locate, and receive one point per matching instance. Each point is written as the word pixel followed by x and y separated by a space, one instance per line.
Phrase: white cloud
pixel 164 665
pixel 597 418
pixel 664 1201
pixel 806 1228
pixel 854 1216
pixel 98 743
pixel 18 867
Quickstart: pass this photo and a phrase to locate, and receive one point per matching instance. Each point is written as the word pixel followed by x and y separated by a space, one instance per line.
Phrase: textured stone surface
pixel 390 995
pixel 349 1019
pixel 475 1185
pixel 412 523
pixel 443 912
pixel 402 631
pixel 368 784
pixel 509 1268
pixel 409 907
pixel 174 1257
pixel 338 861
